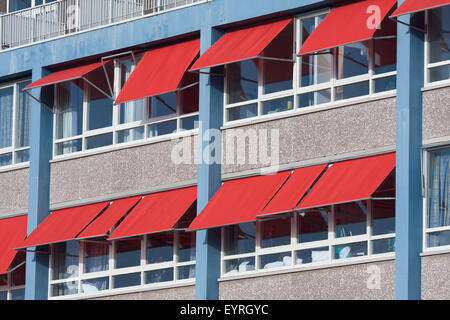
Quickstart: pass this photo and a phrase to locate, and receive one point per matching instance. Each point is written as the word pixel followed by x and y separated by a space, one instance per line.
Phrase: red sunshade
pixel 65 75
pixel 411 6
pixel 241 44
pixel 159 71
pixel 293 190
pixel 63 225
pixel 239 201
pixel 157 212
pixel 103 224
pixel 346 24
pixel 12 233
pixel 350 180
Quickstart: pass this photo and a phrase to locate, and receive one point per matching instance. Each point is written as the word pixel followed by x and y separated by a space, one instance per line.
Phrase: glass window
pixel 242 81
pixel 243 112
pixel 351 219
pixel 352 60
pixel 69 113
pixel 127 280
pixel 313 225
pixel 350 250
pixel 161 275
pixel 3 295
pixel 240 239
pixel 23 119
pixel 100 111
pixel 95 285
pixel 96 257
pixel 278 105
pixel 186 272
pixel 276 232
pixel 128 253
pixel 313 255
pixel 65 260
pixel 383 217
pixel 239 265
pixel 276 260
pixel 160 248
pixel 439 34
pixel 6 117
pixel 18 294
pixel 187 246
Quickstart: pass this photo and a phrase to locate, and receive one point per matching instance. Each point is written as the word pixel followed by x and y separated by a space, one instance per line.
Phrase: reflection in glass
pixel 352 90
pixel 187 246
pixel 99 141
pixel 95 285
pixel 23 156
pixel 243 112
pixel 439 35
pixel 96 257
pixel 239 265
pixel 278 105
pixel 64 289
pixel 314 98
pixel 276 232
pixel 156 276
pixel 385 84
pixel 278 76
pixel 127 280
pixel 385 55
pixel 239 239
pixel 6 116
pixel 351 219
pixel 69 113
pixel 439 239
pixel 186 272
pixel 130 135
pixel 100 111
pixel 69 147
pixel 3 295
pixel 383 246
pixel 5 159
pixel 162 128
pixel 163 105
pixel 350 250
pixel 65 260
pixel 189 123
pixel 383 217
pixel 242 78
pixel 23 118
pixel 313 255
pixel 313 225
pixel 276 260
pixel 160 247
pixel 128 253
pixel 439 73
pixel 352 60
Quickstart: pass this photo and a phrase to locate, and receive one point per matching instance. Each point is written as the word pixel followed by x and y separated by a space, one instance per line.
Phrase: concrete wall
pixel 128 170
pixel 13 191
pixel 436 113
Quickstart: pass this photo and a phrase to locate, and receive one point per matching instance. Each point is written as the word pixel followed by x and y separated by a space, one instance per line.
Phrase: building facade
pixel 222 149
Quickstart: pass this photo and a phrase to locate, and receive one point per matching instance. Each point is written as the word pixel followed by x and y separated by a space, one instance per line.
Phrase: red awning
pixel 101 226
pixel 293 190
pixel 241 44
pixel 157 212
pixel 412 6
pixel 12 233
pixel 63 225
pixel 239 201
pixel 159 71
pixel 65 75
pixel 349 181
pixel 347 23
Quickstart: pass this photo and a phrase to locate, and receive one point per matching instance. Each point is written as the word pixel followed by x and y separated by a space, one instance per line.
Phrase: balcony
pixel 66 17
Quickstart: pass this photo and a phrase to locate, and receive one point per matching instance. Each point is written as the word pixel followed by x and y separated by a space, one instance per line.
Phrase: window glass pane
pixel 313 255
pixel 3 280
pixel 69 114
pixel 18 294
pixel 156 276
pixel 282 46
pixel 276 232
pixel 186 272
pixel 162 128
pixel 383 213
pixel 352 60
pixel 352 90
pixel 3 295
pixel 132 111
pixel 163 105
pixel 128 253
pixel 385 84
pixel 64 289
pixel 239 265
pixel 242 81
pixel 187 246
pixel 439 73
pixel 350 250
pixel 96 257
pixel 130 135
pixel 439 189
pixel 95 285
pixel 65 260
pixel 351 219
pixel 99 141
pixel 23 156
pixel 6 116
pixel 100 110
pixel 69 147
pixel 242 112
pixel 3 9
pixel 313 225
pixel 5 159
pixel 16 5
pixel 438 239
pixel 23 118
pixel 274 106
pixel 160 248
pixel 383 246
pixel 239 239
pixel 439 35
pixel 18 277
pixel 189 99
pixel 278 76
pixel 127 280
pixel 190 123
pixel 385 55
pixel 276 260
pixel 314 98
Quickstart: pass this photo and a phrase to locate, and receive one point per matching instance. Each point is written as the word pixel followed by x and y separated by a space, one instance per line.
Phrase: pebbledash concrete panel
pixel 180 293
pixel 119 171
pixel 14 191
pixel 435 277
pixel 436 113
pixel 367 281
pixel 330 132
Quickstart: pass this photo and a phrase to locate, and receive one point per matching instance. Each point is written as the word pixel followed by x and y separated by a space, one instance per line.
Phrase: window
pixel 437 50
pixel 265 86
pixel 437 222
pixel 86 118
pixel 14 124
pixel 12 284
pixel 348 231
pixel 98 267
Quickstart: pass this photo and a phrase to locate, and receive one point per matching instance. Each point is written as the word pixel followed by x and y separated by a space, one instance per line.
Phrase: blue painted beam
pixel 41 132
pixel 209 174
pixel 410 69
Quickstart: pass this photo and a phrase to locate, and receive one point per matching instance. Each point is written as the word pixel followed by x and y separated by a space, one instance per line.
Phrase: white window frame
pixel 427 64
pixel 13 149
pixel 295 246
pixel 296 91
pixel 116 127
pixel 426 230
pixel 9 288
pixel 113 271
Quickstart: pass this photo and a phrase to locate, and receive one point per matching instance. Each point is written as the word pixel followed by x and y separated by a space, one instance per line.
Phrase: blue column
pixel 41 131
pixel 209 174
pixel 410 66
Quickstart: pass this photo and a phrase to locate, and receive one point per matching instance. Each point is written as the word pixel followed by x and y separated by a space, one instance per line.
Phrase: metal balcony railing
pixel 69 16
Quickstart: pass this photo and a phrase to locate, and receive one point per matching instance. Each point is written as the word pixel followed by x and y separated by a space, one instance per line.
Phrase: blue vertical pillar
pixel 410 68
pixel 41 131
pixel 209 173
